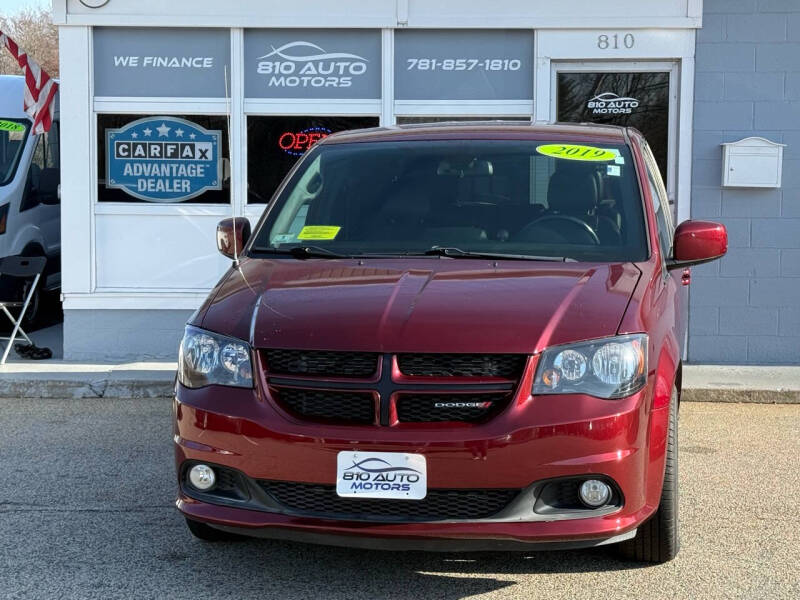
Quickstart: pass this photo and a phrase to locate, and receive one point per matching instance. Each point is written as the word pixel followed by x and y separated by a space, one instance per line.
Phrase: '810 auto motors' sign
pixel 163 159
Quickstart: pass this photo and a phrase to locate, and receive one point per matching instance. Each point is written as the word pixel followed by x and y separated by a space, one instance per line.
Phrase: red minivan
pixel 459 336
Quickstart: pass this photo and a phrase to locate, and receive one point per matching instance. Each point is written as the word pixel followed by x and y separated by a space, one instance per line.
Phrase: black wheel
pixel 208 534
pixel 657 540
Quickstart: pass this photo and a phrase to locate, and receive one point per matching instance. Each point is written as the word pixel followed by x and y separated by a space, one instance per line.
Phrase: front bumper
pixel 535 439
pixel 467 538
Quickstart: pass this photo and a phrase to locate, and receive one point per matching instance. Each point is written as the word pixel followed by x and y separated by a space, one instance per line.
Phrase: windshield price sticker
pixel 318 232
pixel 576 152
pixel 11 126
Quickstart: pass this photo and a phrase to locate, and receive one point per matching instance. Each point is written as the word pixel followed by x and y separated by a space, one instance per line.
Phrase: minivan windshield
pixel 520 199
pixel 13 133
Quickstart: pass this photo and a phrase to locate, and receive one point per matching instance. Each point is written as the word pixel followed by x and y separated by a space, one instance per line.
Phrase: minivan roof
pixel 483 130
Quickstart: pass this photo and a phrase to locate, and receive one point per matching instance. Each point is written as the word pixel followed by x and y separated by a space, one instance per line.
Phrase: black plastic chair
pixel 19 276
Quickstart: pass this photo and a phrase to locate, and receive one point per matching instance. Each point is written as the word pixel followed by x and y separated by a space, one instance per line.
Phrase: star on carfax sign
pixel 163 159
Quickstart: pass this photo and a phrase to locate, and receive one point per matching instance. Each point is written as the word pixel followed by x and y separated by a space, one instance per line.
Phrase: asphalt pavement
pixel 86 511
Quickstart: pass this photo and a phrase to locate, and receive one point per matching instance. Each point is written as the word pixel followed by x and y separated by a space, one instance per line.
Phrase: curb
pixel 97 388
pixel 744 396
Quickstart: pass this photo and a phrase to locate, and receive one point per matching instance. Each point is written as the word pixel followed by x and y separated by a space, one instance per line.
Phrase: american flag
pixel 40 88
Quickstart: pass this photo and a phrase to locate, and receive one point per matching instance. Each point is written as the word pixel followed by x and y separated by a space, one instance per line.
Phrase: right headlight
pixel 208 358
pixel 607 368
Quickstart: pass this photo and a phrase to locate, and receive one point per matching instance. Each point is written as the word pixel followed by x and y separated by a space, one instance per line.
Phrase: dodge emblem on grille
pixel 462 404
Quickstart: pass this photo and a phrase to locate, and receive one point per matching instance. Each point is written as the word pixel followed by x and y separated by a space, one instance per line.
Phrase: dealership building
pixel 218 100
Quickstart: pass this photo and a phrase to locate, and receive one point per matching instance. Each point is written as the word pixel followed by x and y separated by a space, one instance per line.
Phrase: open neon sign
pixel 297 143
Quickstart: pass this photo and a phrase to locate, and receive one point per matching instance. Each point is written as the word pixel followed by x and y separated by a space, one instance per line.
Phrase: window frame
pixel 661 206
pixel 130 205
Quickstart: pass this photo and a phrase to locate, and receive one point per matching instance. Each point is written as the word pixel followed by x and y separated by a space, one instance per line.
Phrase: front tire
pixel 658 540
pixel 208 534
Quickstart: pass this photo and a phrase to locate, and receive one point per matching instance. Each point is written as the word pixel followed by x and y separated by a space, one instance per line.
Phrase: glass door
pixel 640 95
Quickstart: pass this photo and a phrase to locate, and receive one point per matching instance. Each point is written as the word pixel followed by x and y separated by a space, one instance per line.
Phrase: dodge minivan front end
pixel 461 337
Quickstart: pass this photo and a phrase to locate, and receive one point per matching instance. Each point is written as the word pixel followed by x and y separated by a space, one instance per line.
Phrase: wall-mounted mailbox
pixel 752 162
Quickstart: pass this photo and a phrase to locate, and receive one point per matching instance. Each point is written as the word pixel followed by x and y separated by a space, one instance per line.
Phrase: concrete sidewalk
pixel 724 383
pixel 59 379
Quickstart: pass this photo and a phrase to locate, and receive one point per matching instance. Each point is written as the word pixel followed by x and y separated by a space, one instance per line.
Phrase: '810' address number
pixel 616 41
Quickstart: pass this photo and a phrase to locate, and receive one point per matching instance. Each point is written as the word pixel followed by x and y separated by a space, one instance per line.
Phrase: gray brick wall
pixel 745 309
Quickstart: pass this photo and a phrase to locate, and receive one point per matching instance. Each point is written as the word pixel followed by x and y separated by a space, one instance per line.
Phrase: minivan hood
pixel 419 305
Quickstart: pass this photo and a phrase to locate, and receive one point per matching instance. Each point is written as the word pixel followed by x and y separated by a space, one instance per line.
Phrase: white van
pixel 30 222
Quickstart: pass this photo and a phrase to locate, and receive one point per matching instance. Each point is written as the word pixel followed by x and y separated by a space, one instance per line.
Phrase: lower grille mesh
pixel 439 505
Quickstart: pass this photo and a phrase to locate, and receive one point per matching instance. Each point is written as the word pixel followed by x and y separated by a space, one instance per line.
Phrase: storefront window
pixel 275 143
pixel 163 159
pixel 463 65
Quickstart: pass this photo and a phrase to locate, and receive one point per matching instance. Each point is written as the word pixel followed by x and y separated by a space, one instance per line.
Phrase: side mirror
pixel 697 242
pixel 232 235
pixel 48 189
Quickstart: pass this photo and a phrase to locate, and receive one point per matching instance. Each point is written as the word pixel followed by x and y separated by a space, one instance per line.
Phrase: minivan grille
pixel 508 366
pixel 438 505
pixel 332 364
pixel 470 408
pixel 329 405
pixel 363 388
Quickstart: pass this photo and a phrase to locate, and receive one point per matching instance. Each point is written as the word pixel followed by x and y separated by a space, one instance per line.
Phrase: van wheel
pixel 208 534
pixel 657 540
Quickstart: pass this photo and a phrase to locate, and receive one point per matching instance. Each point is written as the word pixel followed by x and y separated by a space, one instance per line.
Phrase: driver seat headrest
pixel 573 190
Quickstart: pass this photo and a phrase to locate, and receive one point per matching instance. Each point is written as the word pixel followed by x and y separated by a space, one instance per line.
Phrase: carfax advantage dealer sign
pixel 163 159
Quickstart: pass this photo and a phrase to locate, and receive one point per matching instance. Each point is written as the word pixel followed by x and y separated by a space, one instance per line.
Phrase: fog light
pixel 202 477
pixel 594 493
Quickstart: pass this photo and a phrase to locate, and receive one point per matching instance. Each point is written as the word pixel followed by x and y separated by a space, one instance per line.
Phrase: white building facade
pixel 256 82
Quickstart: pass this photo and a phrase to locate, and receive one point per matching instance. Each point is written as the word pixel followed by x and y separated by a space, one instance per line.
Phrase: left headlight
pixel 607 368
pixel 208 358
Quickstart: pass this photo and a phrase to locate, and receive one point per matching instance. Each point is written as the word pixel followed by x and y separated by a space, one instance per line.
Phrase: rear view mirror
pixel 473 168
pixel 232 235
pixel 697 242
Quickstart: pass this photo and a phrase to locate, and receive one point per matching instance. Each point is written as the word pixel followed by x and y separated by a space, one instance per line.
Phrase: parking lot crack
pixel 99 387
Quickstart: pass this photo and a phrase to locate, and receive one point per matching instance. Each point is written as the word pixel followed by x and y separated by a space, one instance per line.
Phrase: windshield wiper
pixel 304 252
pixel 459 253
